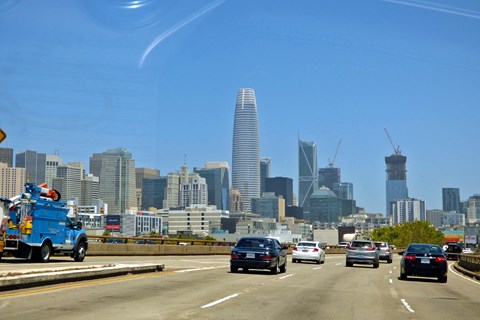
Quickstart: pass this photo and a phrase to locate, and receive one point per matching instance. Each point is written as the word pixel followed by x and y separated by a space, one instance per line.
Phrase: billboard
pixel 112 222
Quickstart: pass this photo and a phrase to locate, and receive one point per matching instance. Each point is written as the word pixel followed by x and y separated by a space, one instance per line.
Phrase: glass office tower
pixel 246 148
pixel 307 172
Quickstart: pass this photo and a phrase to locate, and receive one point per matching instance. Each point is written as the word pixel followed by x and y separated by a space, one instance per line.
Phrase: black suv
pixel 258 253
pixel 453 251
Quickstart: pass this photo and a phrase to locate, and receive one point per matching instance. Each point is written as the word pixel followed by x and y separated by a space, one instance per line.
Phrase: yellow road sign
pixel 3 135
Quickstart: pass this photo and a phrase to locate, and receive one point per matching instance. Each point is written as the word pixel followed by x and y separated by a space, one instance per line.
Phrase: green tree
pixel 402 234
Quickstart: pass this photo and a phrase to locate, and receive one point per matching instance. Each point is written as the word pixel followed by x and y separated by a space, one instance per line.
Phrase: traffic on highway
pixel 203 287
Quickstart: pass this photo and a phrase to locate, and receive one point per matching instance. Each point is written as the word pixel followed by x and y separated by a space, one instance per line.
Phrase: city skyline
pixel 160 79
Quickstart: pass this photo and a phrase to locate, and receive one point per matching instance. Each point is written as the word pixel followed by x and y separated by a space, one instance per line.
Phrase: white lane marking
pixel 390 271
pixel 394 268
pixel 200 269
pixel 219 301
pixel 390 280
pixel 287 276
pixel 316 268
pixel 339 264
pixel 405 303
pixel 452 269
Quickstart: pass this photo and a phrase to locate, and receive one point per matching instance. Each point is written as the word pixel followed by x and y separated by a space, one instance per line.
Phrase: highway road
pixel 202 287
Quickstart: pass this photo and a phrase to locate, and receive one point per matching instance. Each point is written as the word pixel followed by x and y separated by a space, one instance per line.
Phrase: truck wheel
pixel 43 254
pixel 80 252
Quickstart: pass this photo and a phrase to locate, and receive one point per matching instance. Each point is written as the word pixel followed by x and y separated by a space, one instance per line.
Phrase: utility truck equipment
pixel 36 224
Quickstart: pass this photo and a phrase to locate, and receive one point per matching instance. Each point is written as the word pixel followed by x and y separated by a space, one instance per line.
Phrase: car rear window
pixel 424 249
pixel 255 243
pixel 305 244
pixel 361 244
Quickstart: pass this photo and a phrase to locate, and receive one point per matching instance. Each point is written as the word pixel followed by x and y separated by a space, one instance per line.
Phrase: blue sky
pixel 160 78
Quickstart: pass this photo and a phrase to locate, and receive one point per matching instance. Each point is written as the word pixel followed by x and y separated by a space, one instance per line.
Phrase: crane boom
pixel 395 149
pixel 330 163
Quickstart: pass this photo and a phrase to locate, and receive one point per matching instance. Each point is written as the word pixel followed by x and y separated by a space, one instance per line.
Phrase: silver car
pixel 386 252
pixel 362 252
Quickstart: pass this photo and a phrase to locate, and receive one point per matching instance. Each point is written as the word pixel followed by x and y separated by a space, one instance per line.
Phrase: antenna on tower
pixel 330 163
pixel 396 149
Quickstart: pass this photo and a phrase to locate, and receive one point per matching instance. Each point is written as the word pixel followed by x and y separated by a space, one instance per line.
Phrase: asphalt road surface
pixel 202 287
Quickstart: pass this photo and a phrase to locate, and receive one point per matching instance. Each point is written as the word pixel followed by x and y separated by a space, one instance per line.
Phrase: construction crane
pixel 396 149
pixel 330 163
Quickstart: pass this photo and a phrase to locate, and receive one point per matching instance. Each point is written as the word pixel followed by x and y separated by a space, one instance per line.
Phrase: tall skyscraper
pixel 307 172
pixel 216 175
pixel 53 162
pixel 328 176
pixel 35 164
pixel 451 199
pixel 6 156
pixel 116 170
pixel 246 148
pixel 281 186
pixel 265 169
pixel 396 184
pixel 153 192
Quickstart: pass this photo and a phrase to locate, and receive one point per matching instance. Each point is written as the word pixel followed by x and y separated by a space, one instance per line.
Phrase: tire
pixel 1 255
pixel 442 279
pixel 233 269
pixel 245 269
pixel 274 270
pixel 44 252
pixel 389 260
pixel 376 264
pixel 348 264
pixel 80 252
pixel 403 276
pixel 283 267
pixel 294 260
pixel 318 261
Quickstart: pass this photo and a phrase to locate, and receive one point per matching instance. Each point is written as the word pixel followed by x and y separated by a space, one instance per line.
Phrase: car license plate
pixel 304 250
pixel 250 256
pixel 425 261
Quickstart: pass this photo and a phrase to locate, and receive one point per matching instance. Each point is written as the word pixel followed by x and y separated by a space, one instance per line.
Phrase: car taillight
pixel 388 250
pixel 410 258
pixel 295 248
pixel 267 257
pixel 315 249
pixel 233 255
pixel 440 259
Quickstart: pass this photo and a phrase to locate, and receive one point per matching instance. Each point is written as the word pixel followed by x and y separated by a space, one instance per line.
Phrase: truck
pixel 36 225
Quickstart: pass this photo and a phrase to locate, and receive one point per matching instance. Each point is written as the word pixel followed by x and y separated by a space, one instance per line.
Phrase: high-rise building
pixel 6 156
pixel 236 203
pixel 53 161
pixel 246 148
pixel 451 199
pixel 396 184
pixel 343 190
pixel 35 164
pixel 90 190
pixel 12 181
pixel 193 189
pixel 307 172
pixel 153 192
pixel 216 175
pixel 68 181
pixel 142 173
pixel 281 186
pixel 116 170
pixel 473 209
pixel 408 210
pixel 328 177
pixel 265 169
pixel 270 206
pixel 172 191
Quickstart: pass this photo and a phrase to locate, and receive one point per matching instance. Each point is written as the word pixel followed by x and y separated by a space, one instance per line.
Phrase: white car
pixel 308 251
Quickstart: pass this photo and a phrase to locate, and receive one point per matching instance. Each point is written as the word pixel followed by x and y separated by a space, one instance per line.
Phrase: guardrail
pixel 162 241
pixel 470 262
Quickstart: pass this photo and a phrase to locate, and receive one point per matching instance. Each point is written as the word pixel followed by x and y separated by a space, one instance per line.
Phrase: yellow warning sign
pixel 3 135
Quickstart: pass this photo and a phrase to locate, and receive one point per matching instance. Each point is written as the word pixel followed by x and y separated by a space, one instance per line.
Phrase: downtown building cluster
pixel 121 198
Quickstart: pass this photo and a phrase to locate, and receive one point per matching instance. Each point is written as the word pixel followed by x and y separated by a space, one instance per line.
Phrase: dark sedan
pixel 423 260
pixel 258 253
